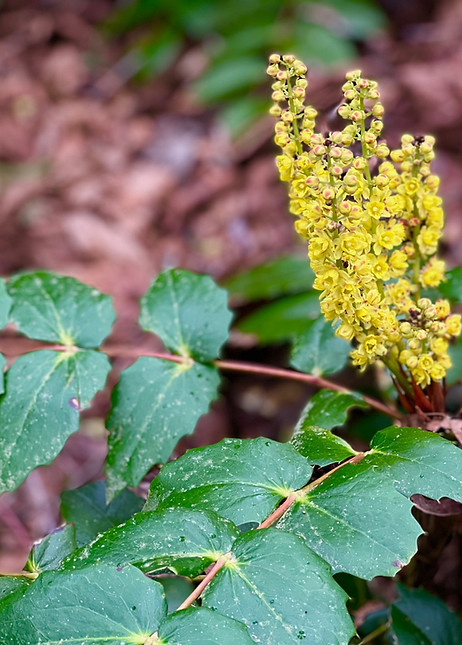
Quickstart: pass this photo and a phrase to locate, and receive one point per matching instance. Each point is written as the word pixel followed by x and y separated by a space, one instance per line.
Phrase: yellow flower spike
pixel 372 219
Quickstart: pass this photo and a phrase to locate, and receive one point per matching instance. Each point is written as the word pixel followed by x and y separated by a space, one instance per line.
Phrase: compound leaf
pixel 281 590
pixel 60 309
pixel 329 409
pixel 202 626
pixel 45 391
pixel 320 446
pixel 86 508
pixel 155 404
pixel 317 350
pixel 357 521
pixel 184 541
pixel 96 605
pixel 241 479
pixel 188 312
pixel 418 462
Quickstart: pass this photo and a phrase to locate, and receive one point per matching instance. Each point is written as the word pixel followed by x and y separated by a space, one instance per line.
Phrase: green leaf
pixel 44 392
pixel 62 310
pixel 47 554
pixel 188 312
pixel 286 275
pixel 5 305
pixel 329 409
pixel 281 320
pixel 86 508
pixel 184 541
pixel 418 462
pixel 2 373
pixel 229 77
pixel 318 351
pixel 155 404
pixel 202 626
pixel 451 288
pixel 454 373
pixel 419 618
pixel 281 590
pixel 10 584
pixel 320 446
pixel 176 590
pixel 357 521
pixel 96 605
pixel 362 16
pixel 241 479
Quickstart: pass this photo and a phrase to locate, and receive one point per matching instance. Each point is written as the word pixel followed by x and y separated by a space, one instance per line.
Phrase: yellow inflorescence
pixel 373 220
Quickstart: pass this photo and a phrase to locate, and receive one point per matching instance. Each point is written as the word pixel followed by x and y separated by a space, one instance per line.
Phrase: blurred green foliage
pixel 236 38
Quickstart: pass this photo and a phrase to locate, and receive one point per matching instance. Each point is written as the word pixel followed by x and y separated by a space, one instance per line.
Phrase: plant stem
pixel 270 520
pixel 370 638
pixel 219 564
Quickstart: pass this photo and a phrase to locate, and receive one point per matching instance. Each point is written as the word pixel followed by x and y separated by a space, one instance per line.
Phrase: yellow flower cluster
pixel 373 220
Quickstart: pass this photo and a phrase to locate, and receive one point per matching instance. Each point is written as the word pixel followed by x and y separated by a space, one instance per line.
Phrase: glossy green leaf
pixel 93 606
pixel 10 584
pixel 44 392
pixel 419 618
pixel 320 446
pixel 188 312
pixel 281 320
pixel 202 626
pixel 357 521
pixel 184 541
pixel 47 554
pixel 418 462
pixel 329 409
pixel 451 288
pixel 62 310
pixel 86 508
pixel 281 590
pixel 155 404
pixel 318 351
pixel 241 479
pixel 5 305
pixel 286 275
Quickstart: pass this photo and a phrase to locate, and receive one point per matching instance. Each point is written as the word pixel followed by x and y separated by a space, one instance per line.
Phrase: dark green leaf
pixel 227 77
pixel 286 275
pixel 241 479
pixel 86 508
pixel 320 447
pixel 176 590
pixel 155 404
pixel 281 320
pixel 201 626
pixel 318 351
pixel 357 521
pixel 184 541
pixel 418 462
pixel 96 605
pixel 363 17
pixel 49 552
pixel 329 409
pixel 5 305
pixel 454 373
pixel 2 373
pixel 61 310
pixel 45 391
pixel 9 584
pixel 281 590
pixel 419 618
pixel 451 288
pixel 188 312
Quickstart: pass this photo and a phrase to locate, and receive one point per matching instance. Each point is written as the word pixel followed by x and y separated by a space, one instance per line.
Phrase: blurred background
pixel 134 137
